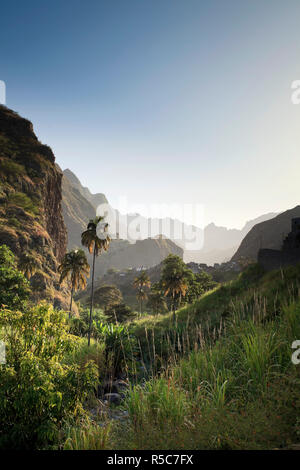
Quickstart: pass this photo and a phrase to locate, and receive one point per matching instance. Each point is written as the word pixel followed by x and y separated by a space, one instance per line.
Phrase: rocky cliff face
pixel 77 211
pixel 94 199
pixel 31 218
pixel 269 234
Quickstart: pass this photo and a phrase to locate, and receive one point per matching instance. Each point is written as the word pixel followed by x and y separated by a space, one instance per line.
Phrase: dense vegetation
pixel 212 370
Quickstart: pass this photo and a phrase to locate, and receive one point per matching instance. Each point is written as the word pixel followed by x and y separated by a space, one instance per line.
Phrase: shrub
pixel 38 391
pixel 10 168
pixel 25 202
pixel 120 348
pixel 14 287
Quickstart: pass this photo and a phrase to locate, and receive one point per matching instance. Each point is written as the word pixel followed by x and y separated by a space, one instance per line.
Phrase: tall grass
pixel 240 392
pixel 254 295
pixel 92 437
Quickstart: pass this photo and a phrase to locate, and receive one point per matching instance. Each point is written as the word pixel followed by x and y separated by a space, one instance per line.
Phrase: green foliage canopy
pixel 14 287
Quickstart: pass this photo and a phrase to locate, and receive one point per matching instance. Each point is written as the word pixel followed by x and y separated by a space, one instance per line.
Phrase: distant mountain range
pixel 219 243
pixel 78 210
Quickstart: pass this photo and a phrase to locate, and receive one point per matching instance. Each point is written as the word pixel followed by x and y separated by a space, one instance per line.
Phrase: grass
pixel 91 437
pixel 240 393
pixel 254 294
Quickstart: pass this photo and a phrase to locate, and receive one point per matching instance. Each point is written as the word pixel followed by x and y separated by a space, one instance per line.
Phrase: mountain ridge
pixel 31 219
pixel 219 243
pixel 267 234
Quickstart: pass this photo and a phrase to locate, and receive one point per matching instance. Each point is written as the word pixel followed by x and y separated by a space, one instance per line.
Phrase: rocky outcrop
pixel 288 255
pixel 31 218
pixel 266 235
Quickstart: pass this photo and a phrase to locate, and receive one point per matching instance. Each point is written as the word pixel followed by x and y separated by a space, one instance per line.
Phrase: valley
pixel 115 344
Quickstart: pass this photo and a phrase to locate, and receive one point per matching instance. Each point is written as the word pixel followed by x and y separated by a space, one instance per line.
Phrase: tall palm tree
pixel 175 279
pixel 96 245
pixel 175 285
pixel 28 265
pixel 74 267
pixel 139 283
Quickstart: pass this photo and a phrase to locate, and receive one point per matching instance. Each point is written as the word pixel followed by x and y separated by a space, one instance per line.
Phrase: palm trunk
pixel 174 309
pixel 140 303
pixel 92 299
pixel 72 293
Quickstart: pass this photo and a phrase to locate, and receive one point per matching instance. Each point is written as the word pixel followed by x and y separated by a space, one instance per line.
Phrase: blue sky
pixel 163 101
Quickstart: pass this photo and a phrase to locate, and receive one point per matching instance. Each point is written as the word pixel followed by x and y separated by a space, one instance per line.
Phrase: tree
pixel 175 279
pixel 119 313
pixel 199 284
pixel 139 283
pixel 28 265
pixel 107 295
pixel 96 245
pixel 74 267
pixel 157 302
pixel 14 287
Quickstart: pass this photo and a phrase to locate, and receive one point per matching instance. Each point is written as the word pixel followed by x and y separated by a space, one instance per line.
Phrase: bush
pixel 23 201
pixel 14 287
pixel 120 348
pixel 38 391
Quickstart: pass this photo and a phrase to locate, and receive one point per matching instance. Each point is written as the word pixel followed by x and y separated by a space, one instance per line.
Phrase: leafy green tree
pixel 96 240
pixel 14 287
pixel 28 265
pixel 39 391
pixel 199 284
pixel 119 313
pixel 74 267
pixel 140 282
pixel 175 278
pixel 107 295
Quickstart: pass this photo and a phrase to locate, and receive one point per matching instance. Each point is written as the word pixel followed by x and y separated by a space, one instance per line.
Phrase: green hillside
pixel 236 387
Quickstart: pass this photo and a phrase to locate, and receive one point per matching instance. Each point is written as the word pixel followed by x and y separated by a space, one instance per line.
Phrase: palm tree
pixel 175 285
pixel 75 267
pixel 95 244
pixel 139 283
pixel 157 302
pixel 175 279
pixel 28 265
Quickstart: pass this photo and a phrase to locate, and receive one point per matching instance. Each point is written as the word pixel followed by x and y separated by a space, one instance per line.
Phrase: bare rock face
pixel 269 234
pixel 31 218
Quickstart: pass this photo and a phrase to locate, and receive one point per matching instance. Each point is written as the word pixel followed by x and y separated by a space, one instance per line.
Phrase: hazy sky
pixel 163 101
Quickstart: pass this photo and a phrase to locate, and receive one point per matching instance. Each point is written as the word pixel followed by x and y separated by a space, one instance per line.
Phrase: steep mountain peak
pixel 31 219
pixel 95 199
pixel 267 234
